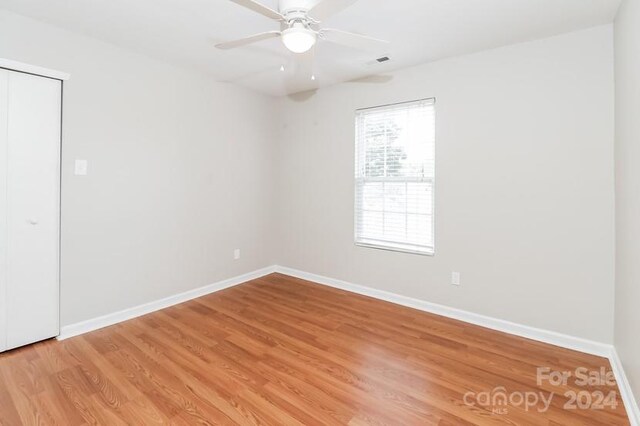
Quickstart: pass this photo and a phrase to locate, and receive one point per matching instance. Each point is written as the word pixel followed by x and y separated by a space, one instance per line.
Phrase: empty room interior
pixel 319 212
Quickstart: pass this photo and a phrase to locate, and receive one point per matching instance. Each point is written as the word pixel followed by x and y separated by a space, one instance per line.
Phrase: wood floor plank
pixel 283 351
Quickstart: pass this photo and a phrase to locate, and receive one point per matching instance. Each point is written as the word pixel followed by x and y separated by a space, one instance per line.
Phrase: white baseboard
pixel 630 402
pixel 136 311
pixel 551 337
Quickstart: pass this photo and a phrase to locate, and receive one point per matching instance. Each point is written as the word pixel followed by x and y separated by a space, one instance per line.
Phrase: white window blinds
pixel 395 171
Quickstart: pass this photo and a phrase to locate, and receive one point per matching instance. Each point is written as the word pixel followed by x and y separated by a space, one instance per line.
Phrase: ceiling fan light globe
pixel 298 40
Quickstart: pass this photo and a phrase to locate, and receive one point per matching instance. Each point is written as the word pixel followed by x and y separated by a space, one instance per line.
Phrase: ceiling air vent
pixel 378 61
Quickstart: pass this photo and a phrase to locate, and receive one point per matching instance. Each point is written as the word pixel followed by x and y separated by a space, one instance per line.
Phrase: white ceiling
pixel 185 31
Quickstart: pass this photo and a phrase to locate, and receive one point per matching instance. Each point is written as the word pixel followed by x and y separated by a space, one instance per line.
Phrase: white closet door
pixel 4 81
pixel 33 182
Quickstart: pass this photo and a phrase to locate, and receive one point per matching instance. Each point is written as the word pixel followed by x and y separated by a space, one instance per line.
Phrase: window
pixel 395 171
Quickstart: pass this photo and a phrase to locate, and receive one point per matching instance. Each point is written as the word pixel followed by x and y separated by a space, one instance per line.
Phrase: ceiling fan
pixel 300 26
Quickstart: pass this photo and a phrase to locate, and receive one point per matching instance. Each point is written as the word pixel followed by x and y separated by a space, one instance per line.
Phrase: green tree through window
pixel 383 157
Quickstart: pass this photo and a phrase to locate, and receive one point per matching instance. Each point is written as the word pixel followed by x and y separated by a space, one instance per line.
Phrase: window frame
pixel 386 245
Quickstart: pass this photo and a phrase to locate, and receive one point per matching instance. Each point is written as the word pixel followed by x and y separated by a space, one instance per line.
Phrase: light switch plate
pixel 455 278
pixel 81 167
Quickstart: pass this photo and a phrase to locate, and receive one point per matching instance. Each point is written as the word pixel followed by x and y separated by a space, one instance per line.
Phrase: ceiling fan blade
pixel 248 40
pixel 353 40
pixel 260 8
pixel 326 8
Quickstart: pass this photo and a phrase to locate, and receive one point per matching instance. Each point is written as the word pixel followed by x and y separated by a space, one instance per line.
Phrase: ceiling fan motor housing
pixel 290 6
pixel 295 14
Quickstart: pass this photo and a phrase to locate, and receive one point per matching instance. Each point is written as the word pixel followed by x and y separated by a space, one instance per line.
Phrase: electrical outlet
pixel 236 254
pixel 81 167
pixel 455 278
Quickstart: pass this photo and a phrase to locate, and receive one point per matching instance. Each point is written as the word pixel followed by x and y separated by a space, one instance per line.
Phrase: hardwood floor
pixel 279 350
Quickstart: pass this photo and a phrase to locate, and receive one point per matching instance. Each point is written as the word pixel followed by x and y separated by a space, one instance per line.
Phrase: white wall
pixel 180 172
pixel 183 170
pixel 627 63
pixel 524 191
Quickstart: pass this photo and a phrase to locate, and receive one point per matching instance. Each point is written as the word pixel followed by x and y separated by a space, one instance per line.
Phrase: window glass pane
pixel 395 197
pixel 395 228
pixel 419 198
pixel 395 166
pixel 372 194
pixel 373 224
pixel 418 228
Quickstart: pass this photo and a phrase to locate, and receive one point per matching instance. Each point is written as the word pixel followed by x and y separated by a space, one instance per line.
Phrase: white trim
pixel 551 337
pixel 33 69
pixel 136 311
pixel 545 336
pixel 4 110
pixel 630 402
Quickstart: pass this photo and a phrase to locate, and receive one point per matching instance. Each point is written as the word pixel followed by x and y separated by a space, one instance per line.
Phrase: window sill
pixel 425 252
